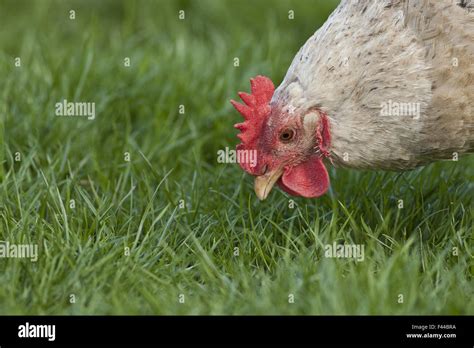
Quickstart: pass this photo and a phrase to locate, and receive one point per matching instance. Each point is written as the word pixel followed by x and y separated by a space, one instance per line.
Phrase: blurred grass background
pixel 165 226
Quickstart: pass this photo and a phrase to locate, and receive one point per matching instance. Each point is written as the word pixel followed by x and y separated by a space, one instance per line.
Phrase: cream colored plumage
pixel 370 54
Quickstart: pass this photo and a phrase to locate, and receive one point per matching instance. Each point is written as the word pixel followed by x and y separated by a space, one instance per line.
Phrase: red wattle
pixel 308 179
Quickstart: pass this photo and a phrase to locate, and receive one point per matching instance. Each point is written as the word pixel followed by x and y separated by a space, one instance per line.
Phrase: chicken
pixel 381 85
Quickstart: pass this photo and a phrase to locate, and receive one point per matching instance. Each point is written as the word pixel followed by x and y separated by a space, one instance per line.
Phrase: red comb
pixel 255 110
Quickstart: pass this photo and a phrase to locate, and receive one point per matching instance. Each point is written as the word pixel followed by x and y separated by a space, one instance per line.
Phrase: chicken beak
pixel 264 183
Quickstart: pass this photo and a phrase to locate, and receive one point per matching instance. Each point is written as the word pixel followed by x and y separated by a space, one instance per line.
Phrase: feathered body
pixel 371 54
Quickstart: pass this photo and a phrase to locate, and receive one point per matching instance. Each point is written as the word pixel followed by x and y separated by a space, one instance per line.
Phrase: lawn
pixel 133 214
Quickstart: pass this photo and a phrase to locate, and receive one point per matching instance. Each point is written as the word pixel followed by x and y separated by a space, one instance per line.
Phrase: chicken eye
pixel 287 135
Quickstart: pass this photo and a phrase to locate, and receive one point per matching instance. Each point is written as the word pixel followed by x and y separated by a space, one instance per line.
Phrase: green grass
pixel 190 250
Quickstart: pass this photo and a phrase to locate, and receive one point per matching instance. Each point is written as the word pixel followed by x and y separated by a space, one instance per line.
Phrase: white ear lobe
pixel 310 121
